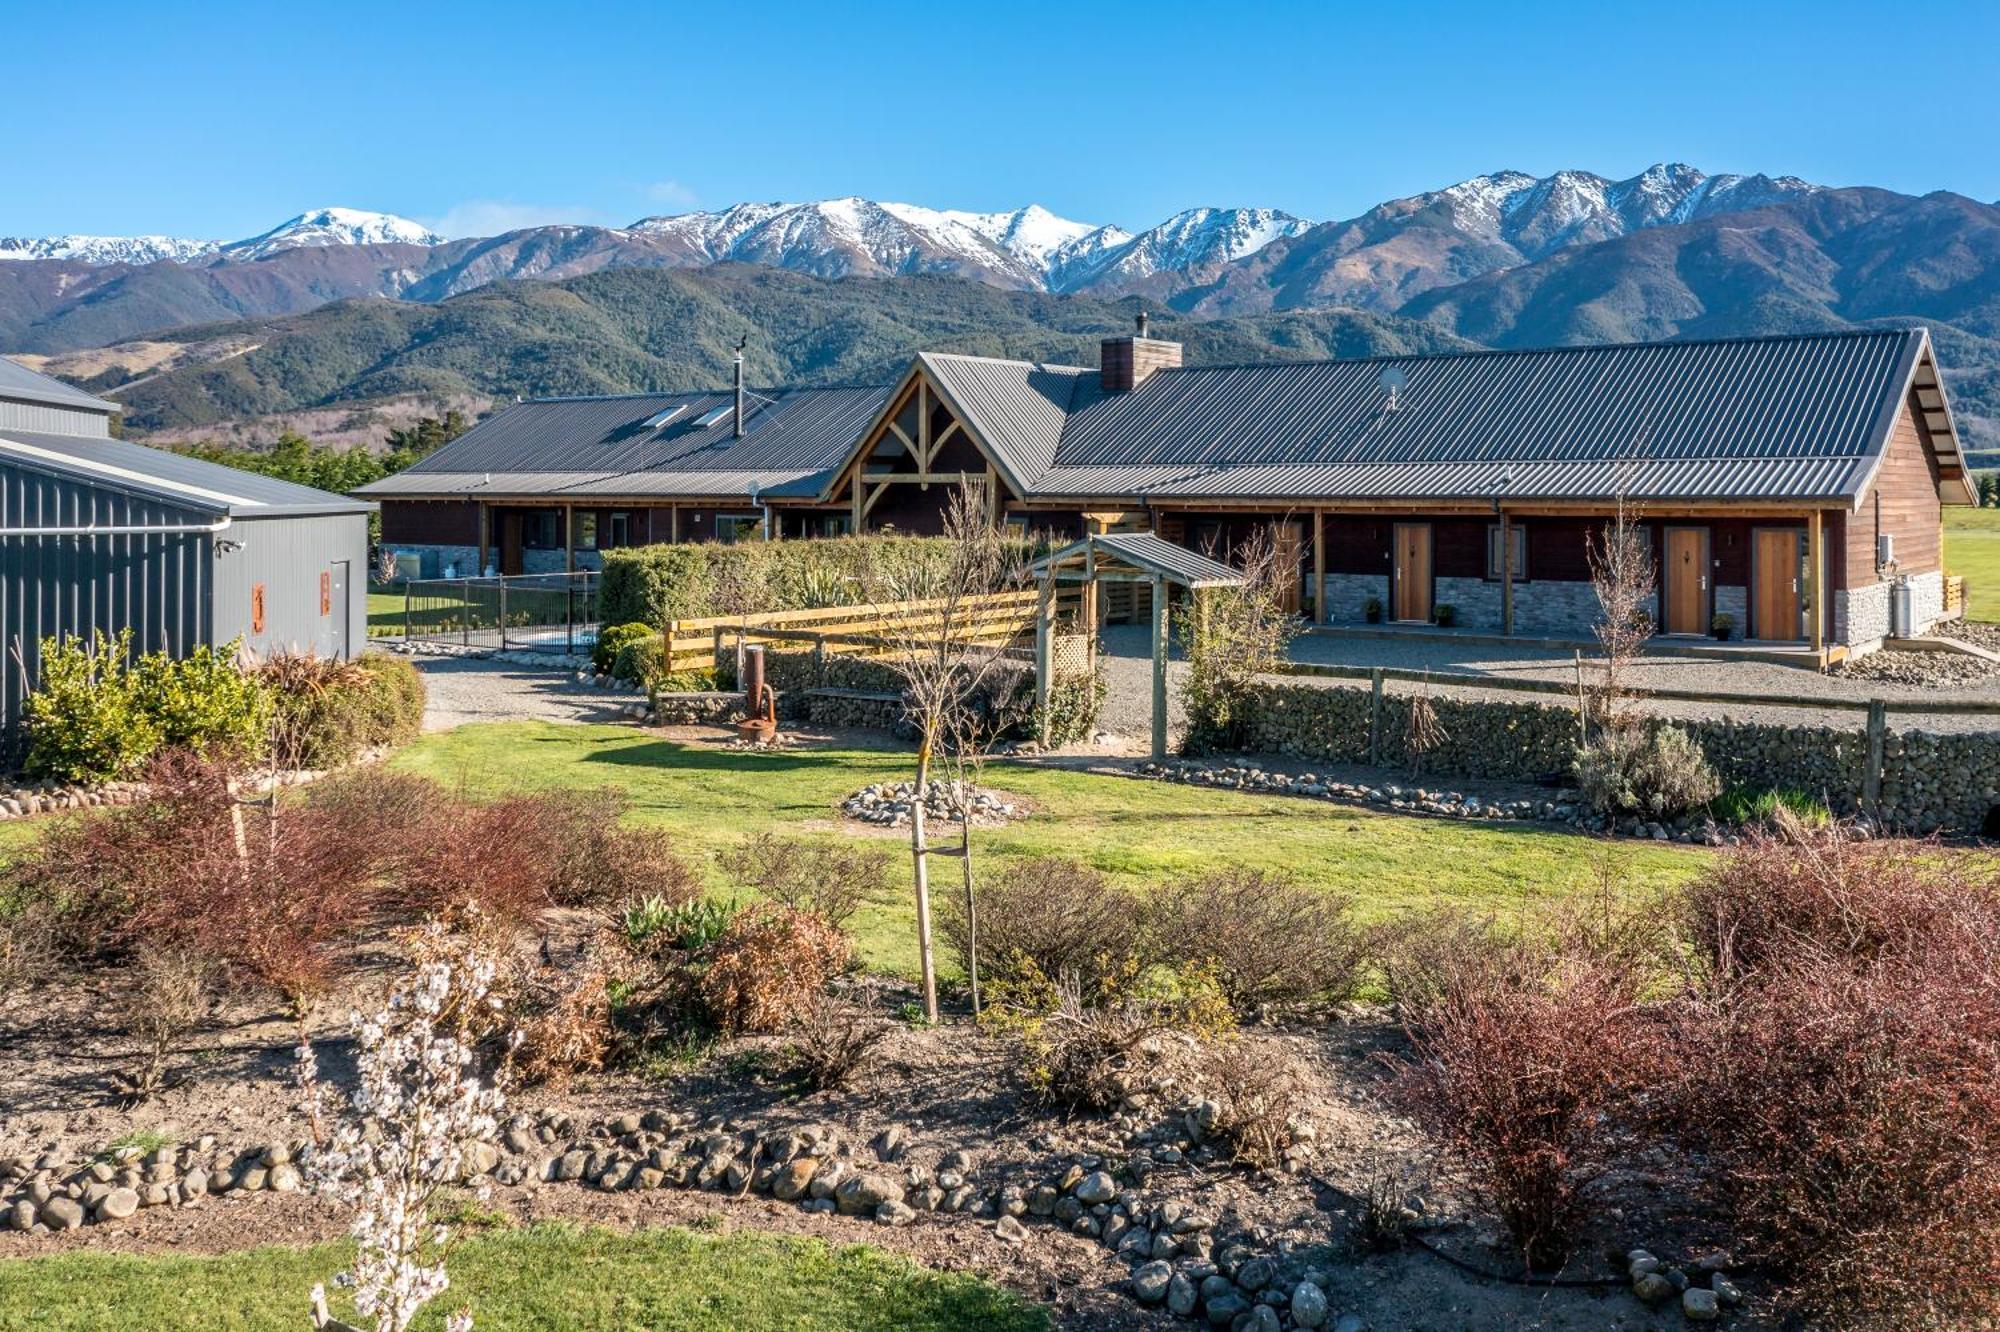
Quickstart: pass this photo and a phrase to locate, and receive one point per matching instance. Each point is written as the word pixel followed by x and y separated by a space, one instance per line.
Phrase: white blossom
pixel 403 1134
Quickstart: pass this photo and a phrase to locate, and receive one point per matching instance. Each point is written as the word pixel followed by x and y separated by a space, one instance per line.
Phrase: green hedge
pixel 99 712
pixel 653 584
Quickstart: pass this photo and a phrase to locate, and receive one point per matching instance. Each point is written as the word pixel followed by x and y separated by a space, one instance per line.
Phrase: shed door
pixel 1776 577
pixel 1412 572
pixel 1687 580
pixel 336 608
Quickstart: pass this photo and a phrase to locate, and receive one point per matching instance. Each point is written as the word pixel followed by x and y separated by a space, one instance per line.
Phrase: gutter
pixel 137 529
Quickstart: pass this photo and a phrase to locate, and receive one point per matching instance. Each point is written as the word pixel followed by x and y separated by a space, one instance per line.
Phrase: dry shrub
pixel 1524 1058
pixel 825 878
pixel 564 1018
pixel 1261 1100
pixel 325 712
pixel 767 966
pixel 1088 1050
pixel 1848 1049
pixel 1048 918
pixel 831 1041
pixel 1270 940
pixel 167 995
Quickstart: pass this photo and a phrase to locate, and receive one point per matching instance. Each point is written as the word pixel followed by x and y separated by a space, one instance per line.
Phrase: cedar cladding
pixel 430 522
pixel 1902 501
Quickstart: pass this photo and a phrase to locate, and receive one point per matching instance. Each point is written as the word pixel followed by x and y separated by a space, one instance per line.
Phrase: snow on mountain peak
pixel 334 226
pixel 105 249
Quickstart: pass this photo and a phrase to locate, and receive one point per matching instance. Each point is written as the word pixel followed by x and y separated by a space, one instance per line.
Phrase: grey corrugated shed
pixel 172 477
pixel 21 384
pixel 571 447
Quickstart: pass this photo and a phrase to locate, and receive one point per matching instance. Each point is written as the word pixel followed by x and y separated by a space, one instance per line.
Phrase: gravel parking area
pixel 475 689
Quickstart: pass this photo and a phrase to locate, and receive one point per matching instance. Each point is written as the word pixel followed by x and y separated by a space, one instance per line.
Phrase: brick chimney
pixel 1124 363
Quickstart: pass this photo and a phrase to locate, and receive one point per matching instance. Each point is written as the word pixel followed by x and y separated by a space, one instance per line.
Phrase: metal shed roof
pixel 21 384
pixel 173 477
pixel 1148 554
pixel 603 446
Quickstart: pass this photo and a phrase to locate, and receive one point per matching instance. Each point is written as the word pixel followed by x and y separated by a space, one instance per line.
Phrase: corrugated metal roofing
pixel 790 442
pixel 1143 550
pixel 172 477
pixel 24 385
pixel 1020 408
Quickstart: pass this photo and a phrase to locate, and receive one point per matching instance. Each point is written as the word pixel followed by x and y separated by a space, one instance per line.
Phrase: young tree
pixel 945 664
pixel 1621 573
pixel 1234 635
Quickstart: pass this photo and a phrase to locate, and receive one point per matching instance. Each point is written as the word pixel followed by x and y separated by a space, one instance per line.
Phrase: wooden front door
pixel 1289 542
pixel 510 542
pixel 1686 576
pixel 1776 573
pixel 1411 573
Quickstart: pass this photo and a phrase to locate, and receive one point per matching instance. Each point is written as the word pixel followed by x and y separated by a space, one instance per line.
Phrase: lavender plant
pixel 406 1130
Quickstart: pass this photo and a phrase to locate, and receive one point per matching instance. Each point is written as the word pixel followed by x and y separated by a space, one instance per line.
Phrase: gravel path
pixel 473 689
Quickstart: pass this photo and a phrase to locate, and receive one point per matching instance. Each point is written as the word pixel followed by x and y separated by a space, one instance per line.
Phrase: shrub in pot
pixel 1372 612
pixel 1446 616
pixel 1722 626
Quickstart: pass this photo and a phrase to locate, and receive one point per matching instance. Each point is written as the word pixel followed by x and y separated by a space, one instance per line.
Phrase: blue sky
pixel 222 120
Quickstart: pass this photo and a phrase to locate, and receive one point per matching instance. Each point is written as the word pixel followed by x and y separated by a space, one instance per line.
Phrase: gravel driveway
pixel 475 689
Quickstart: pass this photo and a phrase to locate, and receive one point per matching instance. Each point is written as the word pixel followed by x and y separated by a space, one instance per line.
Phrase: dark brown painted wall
pixel 430 523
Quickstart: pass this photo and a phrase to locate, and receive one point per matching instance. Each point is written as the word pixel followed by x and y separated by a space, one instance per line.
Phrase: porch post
pixel 1815 578
pixel 1319 566
pixel 1506 573
pixel 569 538
pixel 485 535
pixel 1045 605
pixel 1159 667
pixel 674 524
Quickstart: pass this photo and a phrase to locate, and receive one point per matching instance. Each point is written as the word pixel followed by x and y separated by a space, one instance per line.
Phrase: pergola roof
pixel 1140 554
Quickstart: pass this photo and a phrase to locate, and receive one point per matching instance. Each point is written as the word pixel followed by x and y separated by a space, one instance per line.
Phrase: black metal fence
pixel 522 612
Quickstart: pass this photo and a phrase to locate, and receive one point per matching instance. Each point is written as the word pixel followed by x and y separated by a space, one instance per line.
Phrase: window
pixel 541 529
pixel 1519 540
pixel 658 419
pixel 824 524
pixel 714 416
pixel 586 530
pixel 733 527
pixel 620 530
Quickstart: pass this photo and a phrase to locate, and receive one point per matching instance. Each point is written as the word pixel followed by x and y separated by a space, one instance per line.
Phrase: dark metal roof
pixel 792 440
pixel 21 384
pixel 1148 554
pixel 172 477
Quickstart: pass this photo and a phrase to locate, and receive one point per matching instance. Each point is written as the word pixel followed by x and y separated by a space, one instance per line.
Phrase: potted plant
pixel 1446 616
pixel 1372 612
pixel 1722 626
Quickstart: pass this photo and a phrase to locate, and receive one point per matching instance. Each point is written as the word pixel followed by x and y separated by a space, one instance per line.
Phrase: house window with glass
pixel 586 530
pixel 1518 538
pixel 619 531
pixel 731 528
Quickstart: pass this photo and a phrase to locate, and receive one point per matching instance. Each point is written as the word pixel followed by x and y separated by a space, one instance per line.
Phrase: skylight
pixel 714 416
pixel 658 419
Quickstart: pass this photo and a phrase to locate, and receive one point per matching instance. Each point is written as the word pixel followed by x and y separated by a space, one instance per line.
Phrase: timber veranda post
pixel 1159 667
pixel 1044 651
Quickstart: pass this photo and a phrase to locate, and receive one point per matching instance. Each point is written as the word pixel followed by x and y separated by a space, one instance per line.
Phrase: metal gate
pixel 521 612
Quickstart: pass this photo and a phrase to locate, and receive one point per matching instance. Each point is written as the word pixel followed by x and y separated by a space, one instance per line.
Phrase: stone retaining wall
pixel 1930 782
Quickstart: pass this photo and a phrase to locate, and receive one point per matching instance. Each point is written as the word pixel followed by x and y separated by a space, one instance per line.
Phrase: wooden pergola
pixel 1124 557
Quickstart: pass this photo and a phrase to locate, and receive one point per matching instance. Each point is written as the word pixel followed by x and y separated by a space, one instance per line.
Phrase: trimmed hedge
pixel 653 584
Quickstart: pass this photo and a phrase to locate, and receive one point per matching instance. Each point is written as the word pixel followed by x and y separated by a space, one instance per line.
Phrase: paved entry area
pixel 476 689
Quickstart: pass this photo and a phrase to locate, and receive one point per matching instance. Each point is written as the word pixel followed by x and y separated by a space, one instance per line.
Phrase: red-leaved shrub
pixel 1524 1057
pixel 1841 1062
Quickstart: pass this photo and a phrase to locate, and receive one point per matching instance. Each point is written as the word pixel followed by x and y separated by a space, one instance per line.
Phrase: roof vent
pixel 658 419
pixel 1393 379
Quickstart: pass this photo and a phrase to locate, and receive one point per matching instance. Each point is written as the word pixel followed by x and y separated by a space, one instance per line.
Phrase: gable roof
pixel 576 447
pixel 1145 553
pixel 174 478
pixel 1797 417
pixel 20 384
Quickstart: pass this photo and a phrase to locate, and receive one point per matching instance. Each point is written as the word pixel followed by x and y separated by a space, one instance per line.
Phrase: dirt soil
pixel 952 1087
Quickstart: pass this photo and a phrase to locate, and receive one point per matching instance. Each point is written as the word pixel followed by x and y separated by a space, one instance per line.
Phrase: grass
pixel 1137 832
pixel 385 610
pixel 539 1277
pixel 1972 549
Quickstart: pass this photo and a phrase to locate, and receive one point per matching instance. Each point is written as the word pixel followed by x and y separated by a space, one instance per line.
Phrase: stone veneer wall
pixel 1929 781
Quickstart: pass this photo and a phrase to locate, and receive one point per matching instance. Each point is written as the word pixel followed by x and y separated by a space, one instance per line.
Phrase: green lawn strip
pixel 1137 831
pixel 541 1277
pixel 1972 549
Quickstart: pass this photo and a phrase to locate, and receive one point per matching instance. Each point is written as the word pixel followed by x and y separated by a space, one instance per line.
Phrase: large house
pixel 1791 484
pixel 98 536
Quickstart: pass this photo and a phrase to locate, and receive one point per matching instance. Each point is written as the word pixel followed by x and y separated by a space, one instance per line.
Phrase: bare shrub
pixel 563 1016
pixel 830 880
pixel 767 966
pixel 1088 1050
pixel 1383 1223
pixel 168 994
pixel 1269 939
pixel 1653 773
pixel 1523 1056
pixel 1262 1103
pixel 831 1041
pixel 1232 636
pixel 1049 916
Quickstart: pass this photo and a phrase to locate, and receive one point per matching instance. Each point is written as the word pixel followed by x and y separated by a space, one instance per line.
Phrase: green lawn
pixel 546 1277
pixel 1972 549
pixel 1139 832
pixel 385 610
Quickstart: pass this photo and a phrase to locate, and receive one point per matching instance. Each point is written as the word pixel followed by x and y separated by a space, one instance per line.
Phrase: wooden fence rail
pixel 699 644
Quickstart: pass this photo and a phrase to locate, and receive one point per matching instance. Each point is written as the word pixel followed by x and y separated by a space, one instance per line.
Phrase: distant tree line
pixel 342 471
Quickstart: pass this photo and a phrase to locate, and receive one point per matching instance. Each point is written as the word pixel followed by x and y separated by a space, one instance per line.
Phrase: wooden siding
pixel 430 523
pixel 1902 501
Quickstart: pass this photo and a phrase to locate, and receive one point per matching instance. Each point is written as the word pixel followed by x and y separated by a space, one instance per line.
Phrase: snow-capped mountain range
pixel 1029 248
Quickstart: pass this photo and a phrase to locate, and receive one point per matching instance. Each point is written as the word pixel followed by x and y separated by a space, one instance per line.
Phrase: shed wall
pixel 287 556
